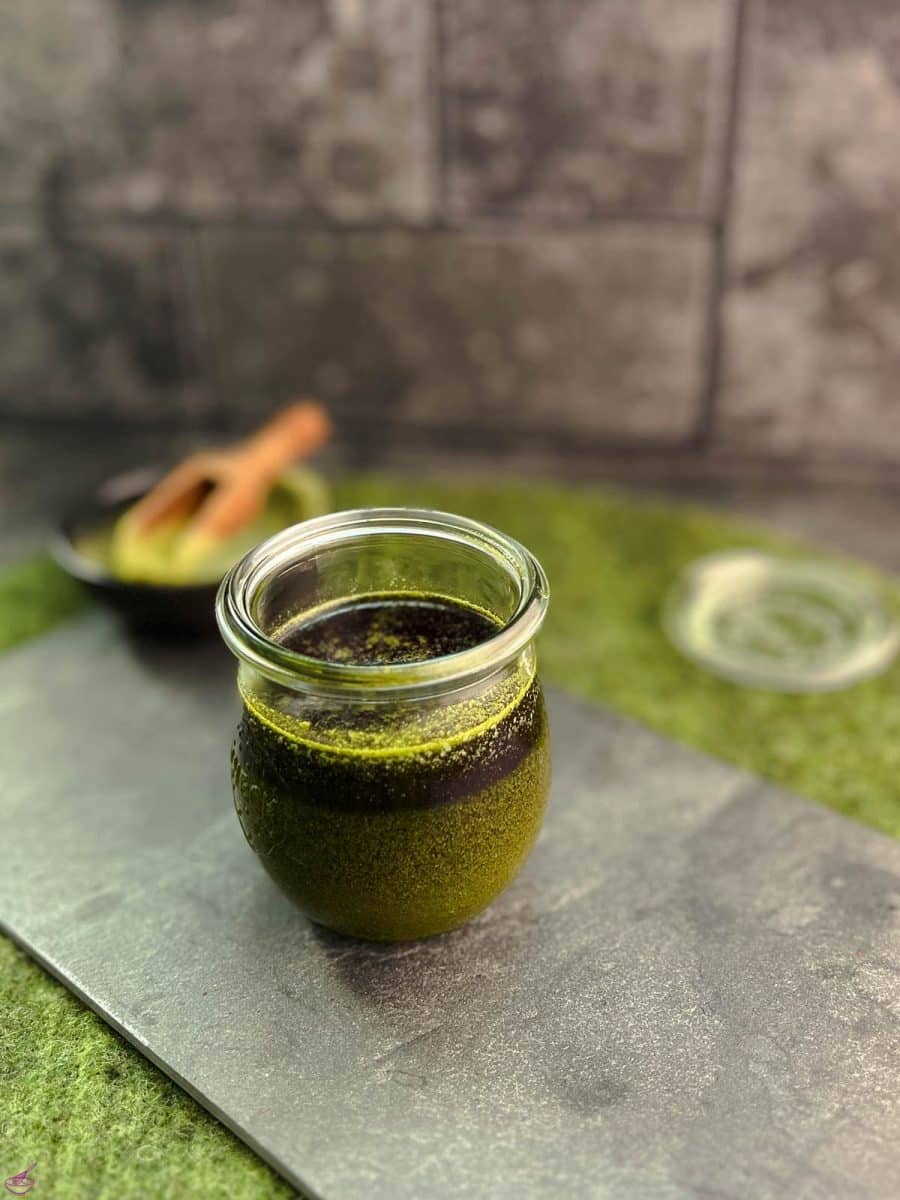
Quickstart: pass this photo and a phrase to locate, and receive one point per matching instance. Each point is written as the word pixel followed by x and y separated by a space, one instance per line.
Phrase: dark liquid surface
pixel 412 837
pixel 382 630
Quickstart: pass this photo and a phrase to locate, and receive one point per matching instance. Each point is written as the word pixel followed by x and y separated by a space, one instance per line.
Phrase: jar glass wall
pixel 391 765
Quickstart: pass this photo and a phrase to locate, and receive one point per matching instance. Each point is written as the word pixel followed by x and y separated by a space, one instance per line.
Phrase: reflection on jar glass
pixel 391 765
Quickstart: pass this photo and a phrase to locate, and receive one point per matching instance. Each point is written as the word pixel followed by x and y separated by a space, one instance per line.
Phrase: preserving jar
pixel 391 764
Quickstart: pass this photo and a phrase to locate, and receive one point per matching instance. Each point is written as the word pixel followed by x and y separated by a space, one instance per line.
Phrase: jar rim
pixel 250 644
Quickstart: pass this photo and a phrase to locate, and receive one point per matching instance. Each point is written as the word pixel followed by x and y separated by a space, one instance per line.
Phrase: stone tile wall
pixel 812 311
pixel 608 228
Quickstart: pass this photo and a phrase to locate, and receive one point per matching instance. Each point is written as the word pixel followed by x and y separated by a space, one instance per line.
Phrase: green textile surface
pixel 101 1121
pixel 34 596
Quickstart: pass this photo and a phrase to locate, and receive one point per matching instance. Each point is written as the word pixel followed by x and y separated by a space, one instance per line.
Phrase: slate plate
pixel 692 990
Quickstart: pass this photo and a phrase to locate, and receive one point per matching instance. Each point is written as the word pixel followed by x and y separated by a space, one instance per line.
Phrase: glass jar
pixel 391 765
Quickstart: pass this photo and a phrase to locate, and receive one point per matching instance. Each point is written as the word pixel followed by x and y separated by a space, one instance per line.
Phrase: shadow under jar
pixel 391 765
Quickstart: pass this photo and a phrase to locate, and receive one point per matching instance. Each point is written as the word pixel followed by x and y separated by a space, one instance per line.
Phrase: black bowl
pixel 184 609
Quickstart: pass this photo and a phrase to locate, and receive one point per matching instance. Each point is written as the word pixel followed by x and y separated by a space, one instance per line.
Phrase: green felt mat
pixel 101 1122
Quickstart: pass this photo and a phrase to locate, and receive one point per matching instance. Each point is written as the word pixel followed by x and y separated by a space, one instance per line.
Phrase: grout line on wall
pixel 602 457
pixel 108 422
pixel 721 231
pixel 498 223
pixel 486 436
pixel 439 111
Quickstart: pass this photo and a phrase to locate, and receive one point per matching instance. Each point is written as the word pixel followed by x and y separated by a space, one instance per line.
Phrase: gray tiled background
pixel 620 228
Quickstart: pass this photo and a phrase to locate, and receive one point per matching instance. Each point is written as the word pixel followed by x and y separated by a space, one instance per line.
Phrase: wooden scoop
pixel 215 493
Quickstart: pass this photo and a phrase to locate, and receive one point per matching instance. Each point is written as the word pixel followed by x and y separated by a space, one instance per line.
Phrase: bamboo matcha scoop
pixel 210 496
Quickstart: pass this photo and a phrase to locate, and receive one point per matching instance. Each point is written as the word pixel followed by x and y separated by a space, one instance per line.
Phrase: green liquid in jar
pixel 392 821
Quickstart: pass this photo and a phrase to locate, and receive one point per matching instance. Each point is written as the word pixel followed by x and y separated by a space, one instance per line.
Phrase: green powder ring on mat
pixel 101 1121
